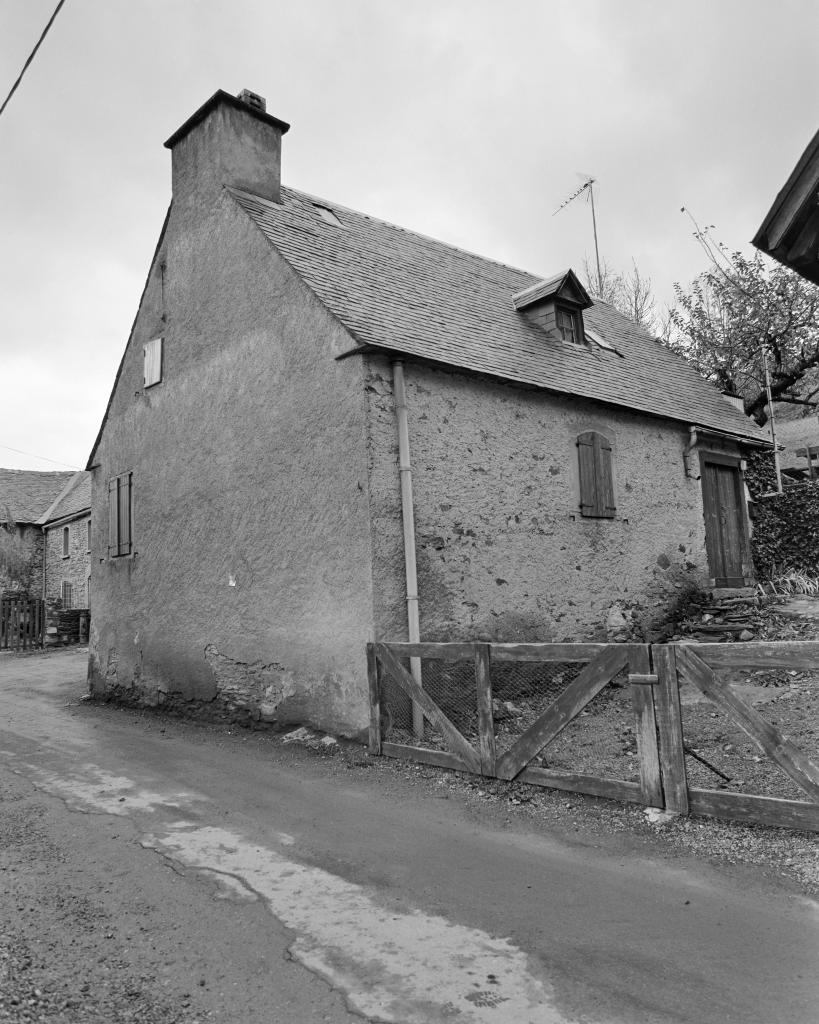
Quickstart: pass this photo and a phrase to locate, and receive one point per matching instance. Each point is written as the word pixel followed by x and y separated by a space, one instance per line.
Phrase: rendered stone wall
pixel 248 594
pixel 74 569
pixel 503 552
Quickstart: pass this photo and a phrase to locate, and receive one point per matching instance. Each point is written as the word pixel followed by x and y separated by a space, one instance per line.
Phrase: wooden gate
pixel 707 669
pixel 646 736
pixel 560 682
pixel 22 622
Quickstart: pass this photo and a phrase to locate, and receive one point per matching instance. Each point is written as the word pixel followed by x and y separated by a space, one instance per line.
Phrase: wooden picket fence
pixel 437 703
pixel 22 623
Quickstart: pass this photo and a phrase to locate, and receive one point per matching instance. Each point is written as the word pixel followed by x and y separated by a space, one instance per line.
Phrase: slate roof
pixel 27 494
pixel 407 293
pixel 73 500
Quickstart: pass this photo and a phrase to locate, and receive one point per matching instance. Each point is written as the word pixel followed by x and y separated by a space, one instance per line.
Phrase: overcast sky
pixel 467 120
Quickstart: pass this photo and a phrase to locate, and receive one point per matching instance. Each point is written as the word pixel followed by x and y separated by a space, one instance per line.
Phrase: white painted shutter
pixel 152 351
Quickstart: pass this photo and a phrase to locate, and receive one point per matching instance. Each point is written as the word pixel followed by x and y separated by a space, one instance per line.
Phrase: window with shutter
pixel 596 486
pixel 152 354
pixel 120 500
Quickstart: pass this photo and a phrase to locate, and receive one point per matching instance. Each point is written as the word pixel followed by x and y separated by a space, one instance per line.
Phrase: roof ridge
pixel 387 223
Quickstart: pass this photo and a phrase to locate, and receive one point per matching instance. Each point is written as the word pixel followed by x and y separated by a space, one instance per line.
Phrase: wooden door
pixel 723 499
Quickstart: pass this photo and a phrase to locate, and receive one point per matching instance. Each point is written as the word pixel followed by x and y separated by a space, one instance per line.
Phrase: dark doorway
pixel 726 537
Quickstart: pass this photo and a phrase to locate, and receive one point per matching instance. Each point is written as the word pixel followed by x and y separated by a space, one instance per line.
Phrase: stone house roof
pixel 27 494
pixel 403 292
pixel 72 501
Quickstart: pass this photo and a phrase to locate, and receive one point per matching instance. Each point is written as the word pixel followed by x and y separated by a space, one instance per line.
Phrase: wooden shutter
pixel 124 514
pixel 152 355
pixel 596 485
pixel 588 489
pixel 113 518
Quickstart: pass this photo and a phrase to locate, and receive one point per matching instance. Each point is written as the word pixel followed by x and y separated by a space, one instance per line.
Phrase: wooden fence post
pixel 642 699
pixel 672 753
pixel 375 701
pixel 486 721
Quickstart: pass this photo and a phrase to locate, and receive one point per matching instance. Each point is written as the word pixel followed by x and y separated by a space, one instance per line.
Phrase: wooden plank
pixel 645 726
pixel 458 744
pixel 762 810
pixel 438 652
pixel 757 654
pixel 546 652
pixel 592 785
pixel 486 722
pixel 438 758
pixel 589 682
pixel 375 701
pixel 766 736
pixel 669 727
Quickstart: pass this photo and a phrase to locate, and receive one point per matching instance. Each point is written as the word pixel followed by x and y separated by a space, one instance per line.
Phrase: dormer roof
pixel 563 287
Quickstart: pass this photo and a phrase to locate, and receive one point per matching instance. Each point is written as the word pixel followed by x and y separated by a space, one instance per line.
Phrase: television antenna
pixel 588 188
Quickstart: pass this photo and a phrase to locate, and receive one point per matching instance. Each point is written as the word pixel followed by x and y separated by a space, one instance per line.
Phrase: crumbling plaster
pixel 503 552
pixel 251 545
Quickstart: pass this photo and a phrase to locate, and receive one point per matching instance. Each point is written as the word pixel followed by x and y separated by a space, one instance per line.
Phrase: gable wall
pixel 248 594
pixel 74 569
pixel 503 552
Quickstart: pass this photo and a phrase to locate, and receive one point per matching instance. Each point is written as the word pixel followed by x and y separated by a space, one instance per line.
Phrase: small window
pixel 65 542
pixel 120 501
pixel 88 541
pixel 66 595
pixel 152 354
pixel 570 325
pixel 596 488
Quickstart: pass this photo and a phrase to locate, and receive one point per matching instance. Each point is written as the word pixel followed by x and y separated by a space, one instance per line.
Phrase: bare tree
pixel 631 294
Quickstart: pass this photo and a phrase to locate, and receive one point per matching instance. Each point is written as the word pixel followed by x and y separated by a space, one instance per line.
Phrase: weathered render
pixel 253 426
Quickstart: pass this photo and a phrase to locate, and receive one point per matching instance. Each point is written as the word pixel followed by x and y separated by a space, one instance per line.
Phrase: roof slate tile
pixel 407 293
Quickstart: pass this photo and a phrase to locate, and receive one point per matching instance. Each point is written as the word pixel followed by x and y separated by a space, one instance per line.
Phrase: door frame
pixel 734 462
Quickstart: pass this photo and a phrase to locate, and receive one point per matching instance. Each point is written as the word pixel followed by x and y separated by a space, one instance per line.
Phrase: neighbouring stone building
pixel 25 495
pixel 66 528
pixel 326 429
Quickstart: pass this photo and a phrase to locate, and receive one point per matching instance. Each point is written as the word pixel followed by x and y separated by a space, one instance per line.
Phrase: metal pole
pixel 408 517
pixel 594 226
pixel 777 468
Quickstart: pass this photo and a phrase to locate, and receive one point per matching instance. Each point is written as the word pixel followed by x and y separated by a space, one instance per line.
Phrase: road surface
pixel 155 870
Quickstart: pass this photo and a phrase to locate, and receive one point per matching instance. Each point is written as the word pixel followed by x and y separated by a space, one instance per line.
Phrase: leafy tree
pixel 741 310
pixel 15 558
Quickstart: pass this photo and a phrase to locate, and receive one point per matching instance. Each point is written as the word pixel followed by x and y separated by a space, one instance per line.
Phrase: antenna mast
pixel 589 184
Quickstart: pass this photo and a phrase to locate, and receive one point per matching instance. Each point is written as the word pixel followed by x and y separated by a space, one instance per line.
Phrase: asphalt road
pixel 152 870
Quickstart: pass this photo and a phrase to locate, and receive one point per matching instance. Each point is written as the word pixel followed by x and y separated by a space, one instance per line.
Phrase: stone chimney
pixel 230 140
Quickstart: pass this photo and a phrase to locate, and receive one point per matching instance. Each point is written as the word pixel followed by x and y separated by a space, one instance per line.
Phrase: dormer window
pixel 556 306
pixel 570 325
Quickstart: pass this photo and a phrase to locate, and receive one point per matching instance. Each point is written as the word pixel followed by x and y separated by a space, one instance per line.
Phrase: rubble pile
pixel 742 618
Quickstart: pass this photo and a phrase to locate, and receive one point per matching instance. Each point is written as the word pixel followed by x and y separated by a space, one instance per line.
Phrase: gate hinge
pixel 641 679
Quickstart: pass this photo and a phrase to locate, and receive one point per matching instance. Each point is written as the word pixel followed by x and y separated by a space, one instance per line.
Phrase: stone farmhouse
pixel 25 496
pixel 66 527
pixel 326 429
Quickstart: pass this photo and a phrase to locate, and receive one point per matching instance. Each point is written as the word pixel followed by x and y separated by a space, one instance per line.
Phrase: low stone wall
pixel 786 531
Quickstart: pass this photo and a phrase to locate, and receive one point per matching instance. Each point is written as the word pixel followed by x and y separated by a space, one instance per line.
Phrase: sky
pixel 467 120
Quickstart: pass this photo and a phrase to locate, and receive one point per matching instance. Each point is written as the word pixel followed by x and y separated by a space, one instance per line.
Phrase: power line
pixel 33 456
pixel 30 59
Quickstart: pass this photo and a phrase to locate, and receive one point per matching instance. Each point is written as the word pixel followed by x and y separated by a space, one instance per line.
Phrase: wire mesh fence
pixel 451 685
pixel 720 755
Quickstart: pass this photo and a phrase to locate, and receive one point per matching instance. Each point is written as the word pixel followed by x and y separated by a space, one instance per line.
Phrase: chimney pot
pixel 253 99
